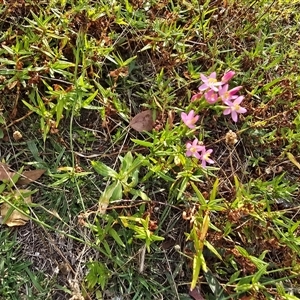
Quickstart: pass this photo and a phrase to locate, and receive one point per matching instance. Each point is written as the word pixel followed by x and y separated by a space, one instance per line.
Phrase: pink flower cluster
pixel 194 149
pixel 213 90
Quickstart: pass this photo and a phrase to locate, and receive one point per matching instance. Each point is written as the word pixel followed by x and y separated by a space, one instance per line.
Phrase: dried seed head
pixel 231 138
pixel 177 247
pixel 17 135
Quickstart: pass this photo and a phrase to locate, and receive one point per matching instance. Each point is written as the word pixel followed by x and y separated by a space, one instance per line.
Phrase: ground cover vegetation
pixel 149 149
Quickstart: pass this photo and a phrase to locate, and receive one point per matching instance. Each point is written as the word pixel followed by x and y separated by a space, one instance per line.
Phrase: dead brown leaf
pixel 168 243
pixel 16 218
pixel 29 176
pixel 171 116
pixel 122 72
pixel 5 173
pixel 143 121
pixel 195 294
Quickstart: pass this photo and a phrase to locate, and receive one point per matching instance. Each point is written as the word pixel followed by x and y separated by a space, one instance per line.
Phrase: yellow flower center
pixel 236 107
pixel 212 80
pixel 206 156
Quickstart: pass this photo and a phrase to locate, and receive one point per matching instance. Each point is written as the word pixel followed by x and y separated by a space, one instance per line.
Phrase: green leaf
pixel 292 158
pixel 294 227
pixel 290 297
pixel 142 143
pixel 139 193
pixel 273 82
pixel 8 49
pixel 212 249
pixel 32 108
pixel 2 187
pixel 214 285
pixel 213 193
pixel 59 109
pixel 242 251
pixel 89 99
pixel 165 176
pixel 134 179
pixel 106 197
pixel 196 271
pixel 31 144
pixel 126 161
pixel 157 238
pixel 129 60
pixel 199 195
pixel 107 249
pixel 2 120
pixel 259 273
pixel 107 194
pixel 34 280
pixel 103 169
pixel 60 64
pixel 118 191
pixel 116 237
pixel 182 188
pixel 98 274
pixel 234 277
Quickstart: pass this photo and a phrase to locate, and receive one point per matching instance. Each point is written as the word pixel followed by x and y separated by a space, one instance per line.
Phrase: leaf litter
pixel 143 121
pixel 12 217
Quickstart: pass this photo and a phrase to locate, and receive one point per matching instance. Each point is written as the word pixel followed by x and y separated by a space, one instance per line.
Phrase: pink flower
pixel 211 97
pixel 205 157
pixel 196 97
pixel 210 82
pixel 228 95
pixel 234 108
pixel 193 149
pixel 227 76
pixel 189 119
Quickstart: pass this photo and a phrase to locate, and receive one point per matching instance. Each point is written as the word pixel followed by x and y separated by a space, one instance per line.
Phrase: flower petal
pixel 191 114
pixel 188 153
pixel 209 151
pixel 203 87
pixel 210 161
pixel 195 142
pixel 196 97
pixel 183 116
pixel 200 148
pixel 241 110
pixel 203 78
pixel 235 90
pixel 234 116
pixel 197 155
pixel 214 88
pixel 223 89
pixel 195 119
pixel 227 111
pixel 238 100
pixel 213 75
pixel 227 76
